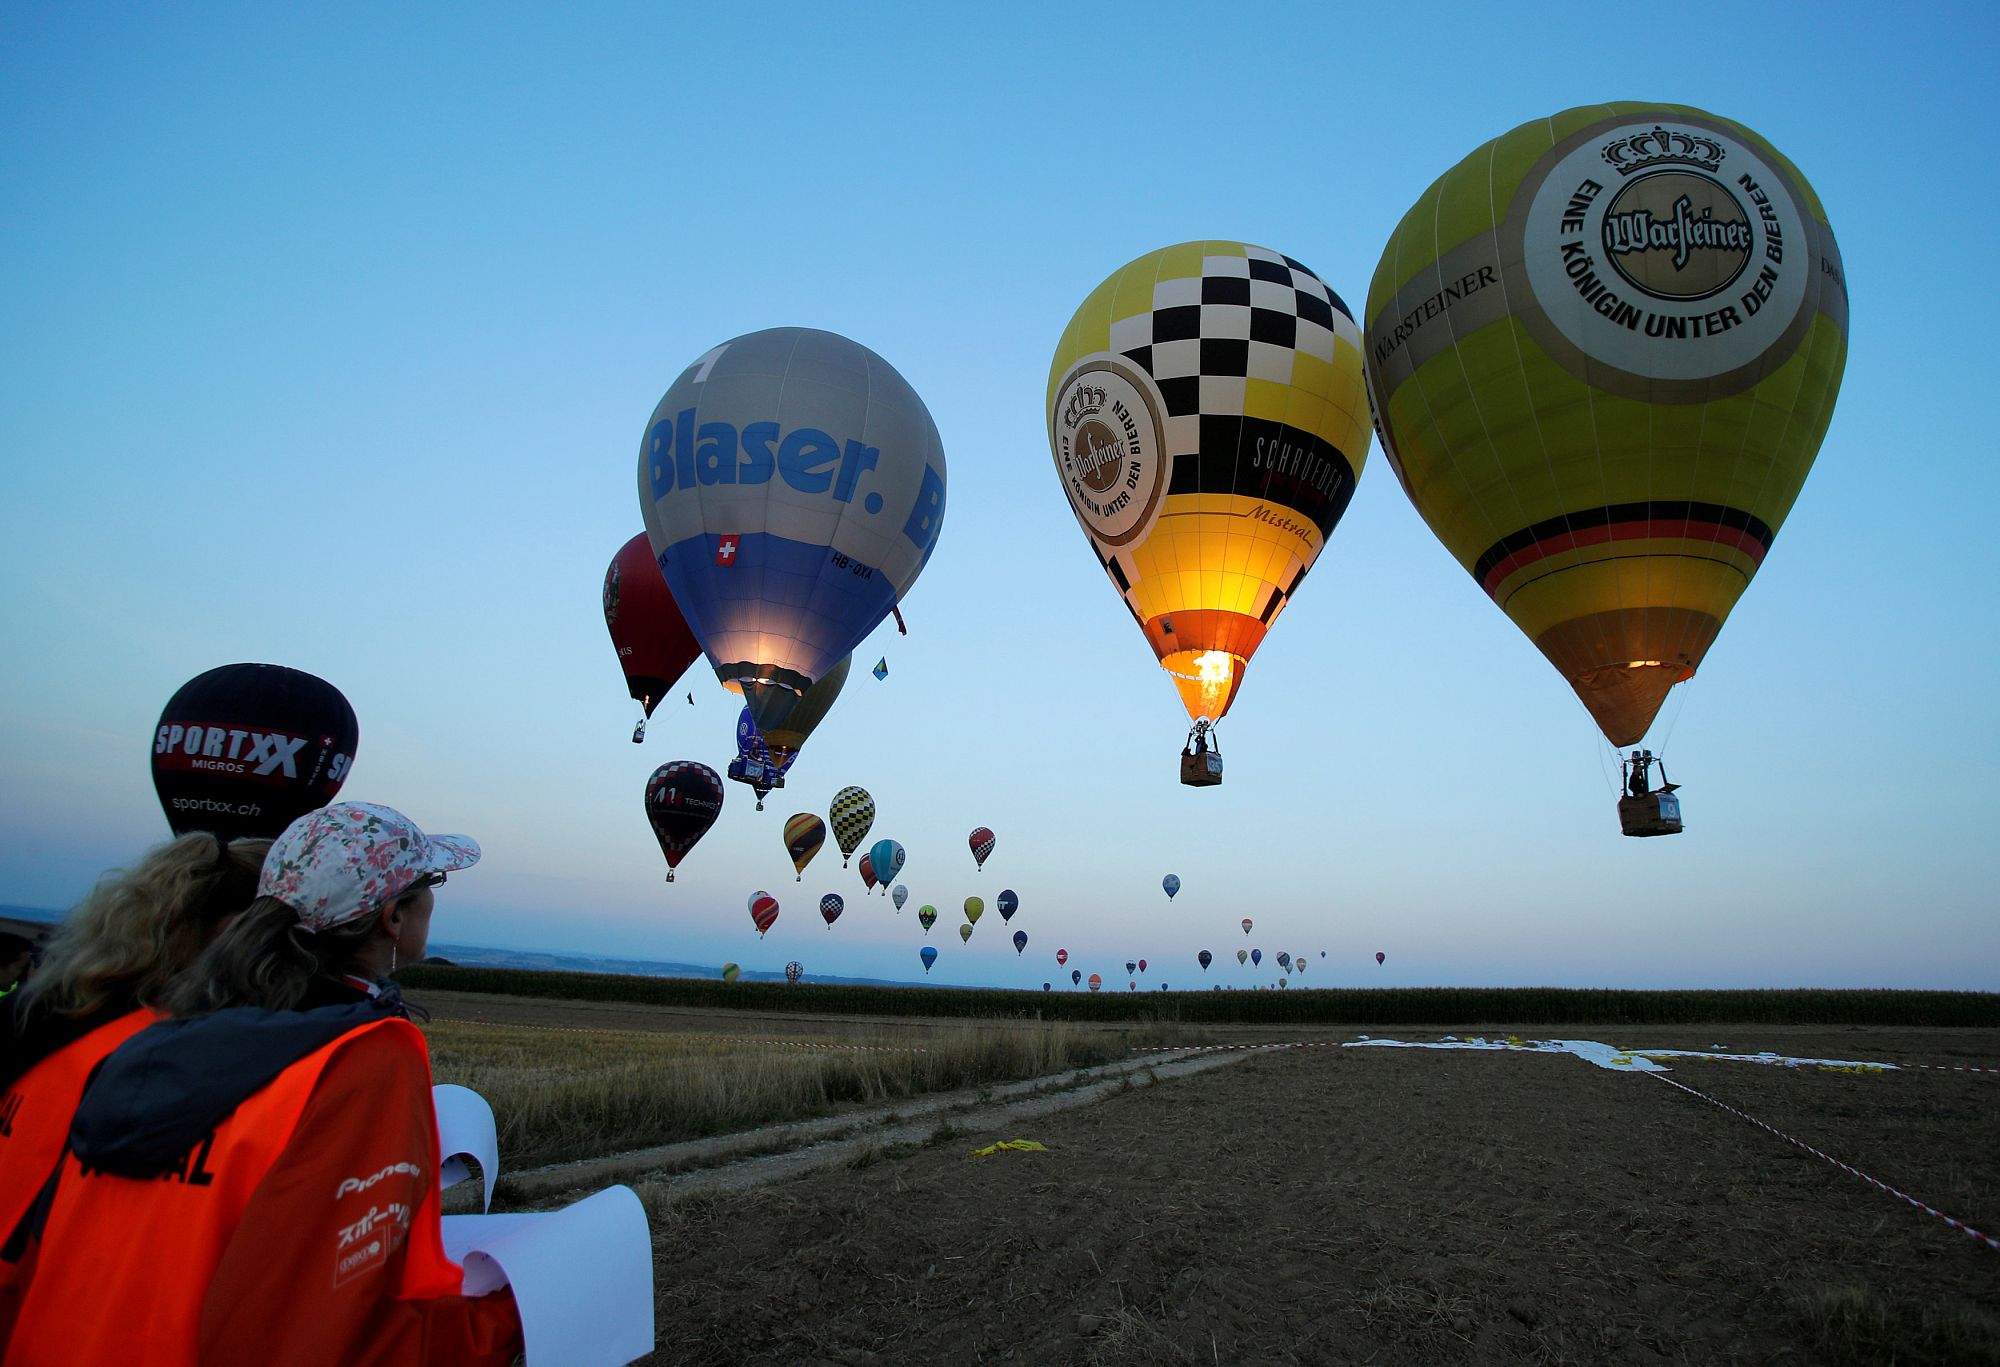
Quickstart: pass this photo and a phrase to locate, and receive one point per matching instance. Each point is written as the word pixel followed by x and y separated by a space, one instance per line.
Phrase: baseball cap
pixel 348 859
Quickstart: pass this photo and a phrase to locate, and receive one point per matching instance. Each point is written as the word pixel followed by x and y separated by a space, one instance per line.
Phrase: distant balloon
pixel 763 911
pixel 1076 976
pixel 929 955
pixel 1206 958
pixel 1131 966
pixel 974 909
pixel 243 751
pixel 927 917
pixel 1142 965
pixel 1284 960
pixel 981 842
pixel 830 907
pixel 964 931
pixel 1246 925
pixel 853 812
pixel 1242 956
pixel 868 870
pixel 1062 956
pixel 804 834
pixel 1257 956
pixel 793 487
pixel 794 971
pixel 1047 986
pixel 1282 982
pixel 1379 956
pixel 1095 982
pixel 887 856
pixel 730 972
pixel 1008 904
pixel 900 896
pixel 1020 940
pixel 653 641
pixel 1172 883
pixel 683 799
pixel 881 670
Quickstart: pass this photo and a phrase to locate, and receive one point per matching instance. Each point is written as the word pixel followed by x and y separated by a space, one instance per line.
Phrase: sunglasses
pixel 429 880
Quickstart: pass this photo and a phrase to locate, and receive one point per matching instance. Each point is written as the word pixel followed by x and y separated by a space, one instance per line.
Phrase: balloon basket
pixel 1654 814
pixel 1201 771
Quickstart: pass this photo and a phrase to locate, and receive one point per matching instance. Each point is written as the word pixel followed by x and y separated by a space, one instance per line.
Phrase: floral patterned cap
pixel 346 860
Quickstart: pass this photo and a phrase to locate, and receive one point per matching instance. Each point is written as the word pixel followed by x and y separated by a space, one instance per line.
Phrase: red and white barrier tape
pixel 1959 1225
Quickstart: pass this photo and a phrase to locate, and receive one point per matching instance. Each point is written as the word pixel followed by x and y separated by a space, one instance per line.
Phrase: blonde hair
pixel 267 959
pixel 141 926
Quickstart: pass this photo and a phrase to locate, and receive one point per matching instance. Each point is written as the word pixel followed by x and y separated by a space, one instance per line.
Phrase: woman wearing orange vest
pixel 100 982
pixel 252 1182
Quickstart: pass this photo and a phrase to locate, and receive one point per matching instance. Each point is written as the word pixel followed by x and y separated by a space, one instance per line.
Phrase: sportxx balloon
pixel 981 843
pixel 1172 883
pixel 683 799
pixel 1246 925
pixel 1604 349
pixel 1020 941
pixel 793 487
pixel 868 871
pixel 887 856
pixel 730 972
pixel 245 750
pixel 1205 957
pixel 647 630
pixel 804 834
pixel 929 955
pixel 1062 956
pixel 763 911
pixel 974 909
pixel 965 931
pixel 1008 904
pixel 1207 420
pixel 794 971
pixel 830 908
pixel 927 917
pixel 900 896
pixel 853 812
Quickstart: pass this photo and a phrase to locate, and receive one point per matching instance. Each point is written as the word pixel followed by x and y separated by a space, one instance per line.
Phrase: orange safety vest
pixel 34 1123
pixel 126 1264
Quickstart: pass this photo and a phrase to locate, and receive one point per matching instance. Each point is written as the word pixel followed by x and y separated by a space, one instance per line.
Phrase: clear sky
pixel 329 333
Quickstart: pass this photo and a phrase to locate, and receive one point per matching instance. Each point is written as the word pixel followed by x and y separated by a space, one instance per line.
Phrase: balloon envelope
pixel 793 487
pixel 1246 925
pixel 974 909
pixel 1604 350
pixel 1008 904
pixel 887 856
pixel 830 907
pixel 1062 956
pixel 1257 956
pixel 1205 958
pixel 964 931
pixel 763 911
pixel 1096 982
pixel 794 971
pixel 900 896
pixel 784 739
pixel 245 750
pixel 981 844
pixel 1242 955
pixel 683 799
pixel 853 812
pixel 1075 976
pixel 927 917
pixel 653 641
pixel 1379 956
pixel 1020 940
pixel 730 972
pixel 868 871
pixel 1172 883
pixel 929 955
pixel 804 834
pixel 1207 420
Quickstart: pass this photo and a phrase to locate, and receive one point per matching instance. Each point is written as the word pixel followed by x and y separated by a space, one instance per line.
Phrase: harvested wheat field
pixel 1320 1204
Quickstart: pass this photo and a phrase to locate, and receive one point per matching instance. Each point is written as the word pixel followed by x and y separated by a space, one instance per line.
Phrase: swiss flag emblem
pixel 725 549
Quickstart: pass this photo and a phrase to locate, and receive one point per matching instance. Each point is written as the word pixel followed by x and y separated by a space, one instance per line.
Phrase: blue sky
pixel 330 334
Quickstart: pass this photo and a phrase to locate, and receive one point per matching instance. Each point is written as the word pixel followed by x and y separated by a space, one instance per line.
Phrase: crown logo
pixel 1663 146
pixel 1085 400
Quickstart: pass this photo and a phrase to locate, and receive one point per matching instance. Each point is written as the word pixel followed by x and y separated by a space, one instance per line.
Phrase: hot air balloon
pixel 929 955
pixel 964 931
pixel 1207 419
pixel 1283 981
pixel 868 871
pixel 981 843
pixel 804 834
pixel 1284 960
pixel 1172 883
pixel 784 739
pixel 730 972
pixel 853 812
pixel 1379 956
pixel 1075 976
pixel 763 911
pixel 888 859
pixel 1142 965
pixel 1604 350
pixel 1133 986
pixel 1062 956
pixel 794 971
pixel 881 670
pixel 974 909
pixel 754 764
pixel 1206 958
pixel 1008 904
pixel 927 917
pixel 1095 982
pixel 652 639
pixel 1246 925
pixel 683 799
pixel 830 907
pixel 1131 966
pixel 793 487
pixel 244 750
pixel 1020 941
pixel 1257 956
pixel 900 896
pixel 1242 955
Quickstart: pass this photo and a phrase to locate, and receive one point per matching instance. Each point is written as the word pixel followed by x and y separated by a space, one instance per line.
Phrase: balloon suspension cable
pixel 901 630
pixel 1680 706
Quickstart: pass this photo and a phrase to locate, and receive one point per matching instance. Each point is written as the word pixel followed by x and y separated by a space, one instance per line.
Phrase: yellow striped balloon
pixel 1603 351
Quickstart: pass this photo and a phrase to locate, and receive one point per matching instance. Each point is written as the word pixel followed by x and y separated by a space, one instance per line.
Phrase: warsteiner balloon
pixel 683 799
pixel 1604 349
pixel 647 630
pixel 1207 420
pixel 793 487
pixel 245 750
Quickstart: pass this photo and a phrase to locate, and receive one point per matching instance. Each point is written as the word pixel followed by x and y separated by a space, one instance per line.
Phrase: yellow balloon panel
pixel 1605 348
pixel 1207 418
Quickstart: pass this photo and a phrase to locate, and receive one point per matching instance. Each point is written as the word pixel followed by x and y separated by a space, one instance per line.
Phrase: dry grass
pixel 582 1094
pixel 1849 1326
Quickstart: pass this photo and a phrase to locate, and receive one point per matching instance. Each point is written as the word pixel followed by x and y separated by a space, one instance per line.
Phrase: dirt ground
pixel 1330 1205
